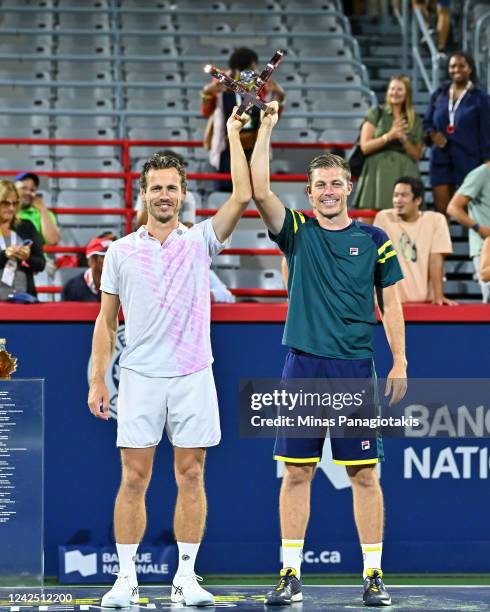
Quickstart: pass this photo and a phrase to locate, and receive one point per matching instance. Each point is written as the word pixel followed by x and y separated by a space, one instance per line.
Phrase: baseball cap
pixel 98 246
pixel 25 175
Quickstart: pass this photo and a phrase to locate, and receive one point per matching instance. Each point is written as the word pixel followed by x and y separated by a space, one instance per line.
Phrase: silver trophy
pixel 249 85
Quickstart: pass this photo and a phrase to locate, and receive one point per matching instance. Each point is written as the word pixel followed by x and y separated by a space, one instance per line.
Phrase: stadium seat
pixel 21 44
pixel 155 21
pixel 86 164
pixel 80 122
pixel 163 134
pixel 90 184
pixel 145 71
pixel 216 199
pixel 33 19
pixel 84 71
pixel 94 22
pixel 86 45
pixel 340 135
pixel 251 239
pixel 151 4
pixel 150 45
pixel 296 201
pixel 89 199
pixel 61 151
pixel 98 222
pixel 299 135
pixel 257 279
pixel 25 132
pixel 226 261
pixel 88 133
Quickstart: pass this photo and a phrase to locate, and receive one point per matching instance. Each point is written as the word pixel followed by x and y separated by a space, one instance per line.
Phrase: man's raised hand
pixel 270 117
pixel 234 123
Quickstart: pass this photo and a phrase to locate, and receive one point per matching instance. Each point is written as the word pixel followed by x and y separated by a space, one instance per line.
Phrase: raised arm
pixel 103 343
pixel 268 204
pixel 49 229
pixel 227 217
pixel 394 325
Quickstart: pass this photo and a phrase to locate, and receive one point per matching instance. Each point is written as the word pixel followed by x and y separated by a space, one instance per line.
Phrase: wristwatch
pixel 476 227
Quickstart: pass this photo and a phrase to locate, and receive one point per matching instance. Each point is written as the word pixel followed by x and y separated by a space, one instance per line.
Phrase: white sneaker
pixel 124 593
pixel 187 590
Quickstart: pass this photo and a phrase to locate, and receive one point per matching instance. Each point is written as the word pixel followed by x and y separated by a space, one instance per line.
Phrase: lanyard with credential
pixel 10 268
pixel 453 105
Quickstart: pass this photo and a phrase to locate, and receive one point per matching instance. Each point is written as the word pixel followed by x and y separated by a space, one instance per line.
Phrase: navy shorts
pixel 345 451
pixel 449 166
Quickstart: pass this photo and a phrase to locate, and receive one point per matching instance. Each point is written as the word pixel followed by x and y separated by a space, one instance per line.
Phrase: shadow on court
pixel 328 598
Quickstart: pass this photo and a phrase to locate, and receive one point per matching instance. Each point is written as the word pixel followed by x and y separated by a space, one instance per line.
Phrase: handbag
pixel 356 157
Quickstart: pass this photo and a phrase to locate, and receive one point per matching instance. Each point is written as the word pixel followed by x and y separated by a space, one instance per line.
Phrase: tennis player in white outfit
pixel 160 276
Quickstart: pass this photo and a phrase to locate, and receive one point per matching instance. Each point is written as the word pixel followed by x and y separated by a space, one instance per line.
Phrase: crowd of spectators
pixel 456 127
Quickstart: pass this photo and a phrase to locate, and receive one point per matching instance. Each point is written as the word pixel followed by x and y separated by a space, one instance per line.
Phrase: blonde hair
pixel 407 106
pixel 329 160
pixel 6 188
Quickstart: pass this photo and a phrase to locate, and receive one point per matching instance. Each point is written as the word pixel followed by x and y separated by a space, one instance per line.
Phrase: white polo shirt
pixel 164 293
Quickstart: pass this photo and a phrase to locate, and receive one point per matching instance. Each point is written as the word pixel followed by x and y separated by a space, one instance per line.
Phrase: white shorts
pixel 186 406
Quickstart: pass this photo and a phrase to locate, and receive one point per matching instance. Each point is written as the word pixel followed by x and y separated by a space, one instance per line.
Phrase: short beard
pixel 162 218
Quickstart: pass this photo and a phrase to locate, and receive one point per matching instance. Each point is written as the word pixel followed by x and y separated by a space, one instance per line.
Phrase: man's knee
pixel 364 477
pixel 135 478
pixel 298 474
pixel 189 471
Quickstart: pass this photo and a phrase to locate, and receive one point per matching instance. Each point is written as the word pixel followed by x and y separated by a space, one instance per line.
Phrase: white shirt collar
pixel 143 233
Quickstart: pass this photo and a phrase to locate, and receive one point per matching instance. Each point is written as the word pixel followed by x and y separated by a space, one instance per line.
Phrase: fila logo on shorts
pixel 353 251
pixel 365 445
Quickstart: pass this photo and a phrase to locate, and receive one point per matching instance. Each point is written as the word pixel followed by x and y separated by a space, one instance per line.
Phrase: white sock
pixel 292 554
pixel 187 558
pixel 371 555
pixel 127 557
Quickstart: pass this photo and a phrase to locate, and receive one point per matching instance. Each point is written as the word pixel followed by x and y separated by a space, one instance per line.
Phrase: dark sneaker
pixel 288 589
pixel 375 593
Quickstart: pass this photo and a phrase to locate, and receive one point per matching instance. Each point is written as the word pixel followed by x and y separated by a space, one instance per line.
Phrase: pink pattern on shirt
pixel 164 293
pixel 179 280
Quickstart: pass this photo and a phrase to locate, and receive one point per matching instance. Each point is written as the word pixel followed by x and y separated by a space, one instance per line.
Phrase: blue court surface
pixel 330 598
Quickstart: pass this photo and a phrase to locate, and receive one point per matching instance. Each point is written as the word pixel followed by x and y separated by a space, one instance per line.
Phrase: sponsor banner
pixel 91 564
pixel 319 556
pixel 435 480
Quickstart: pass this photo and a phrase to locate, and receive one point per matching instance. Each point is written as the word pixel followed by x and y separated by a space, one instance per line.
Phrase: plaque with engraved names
pixel 21 482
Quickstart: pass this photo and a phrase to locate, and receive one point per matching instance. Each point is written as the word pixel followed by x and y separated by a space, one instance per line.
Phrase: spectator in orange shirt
pixel 217 103
pixel 421 239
